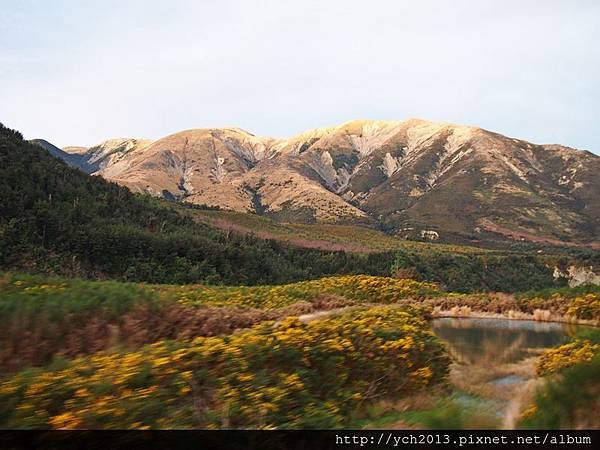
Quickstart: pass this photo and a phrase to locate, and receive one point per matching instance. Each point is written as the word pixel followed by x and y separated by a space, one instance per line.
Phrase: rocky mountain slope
pixel 415 178
pixel 104 155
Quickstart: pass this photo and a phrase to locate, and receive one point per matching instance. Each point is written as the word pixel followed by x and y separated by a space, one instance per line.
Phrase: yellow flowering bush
pixel 288 375
pixel 581 302
pixel 44 316
pixel 586 307
pixel 569 400
pixel 566 355
pixel 361 288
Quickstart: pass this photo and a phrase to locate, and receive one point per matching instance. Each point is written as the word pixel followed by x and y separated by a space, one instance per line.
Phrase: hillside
pixel 56 219
pixel 71 159
pixel 413 178
pixel 326 236
pixel 362 239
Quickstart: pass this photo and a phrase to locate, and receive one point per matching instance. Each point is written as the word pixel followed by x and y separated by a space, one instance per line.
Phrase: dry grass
pixel 501 305
pixel 22 346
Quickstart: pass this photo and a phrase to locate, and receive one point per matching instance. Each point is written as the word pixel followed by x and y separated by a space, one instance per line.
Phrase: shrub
pixel 288 375
pixel 586 307
pixel 569 400
pixel 360 288
pixel 567 355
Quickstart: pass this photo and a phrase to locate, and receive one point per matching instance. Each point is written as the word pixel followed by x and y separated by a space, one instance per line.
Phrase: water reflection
pixel 472 340
pixel 495 360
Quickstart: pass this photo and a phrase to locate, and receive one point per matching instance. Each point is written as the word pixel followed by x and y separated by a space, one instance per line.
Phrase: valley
pixel 299 225
pixel 127 308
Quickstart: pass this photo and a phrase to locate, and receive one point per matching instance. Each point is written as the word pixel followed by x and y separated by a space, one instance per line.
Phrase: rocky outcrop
pixel 578 275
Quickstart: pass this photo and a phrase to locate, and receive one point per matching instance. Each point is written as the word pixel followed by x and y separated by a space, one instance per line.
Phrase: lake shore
pixel 539 315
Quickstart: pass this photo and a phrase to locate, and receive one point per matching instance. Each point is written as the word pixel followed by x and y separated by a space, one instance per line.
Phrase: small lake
pixel 469 340
pixel 494 360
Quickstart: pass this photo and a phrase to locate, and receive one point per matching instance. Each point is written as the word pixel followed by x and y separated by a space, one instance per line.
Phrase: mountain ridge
pixel 413 177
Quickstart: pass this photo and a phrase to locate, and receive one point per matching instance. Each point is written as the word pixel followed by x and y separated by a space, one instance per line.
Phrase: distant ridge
pixel 414 178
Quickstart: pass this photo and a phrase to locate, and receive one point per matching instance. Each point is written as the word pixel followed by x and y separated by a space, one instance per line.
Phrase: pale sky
pixel 80 72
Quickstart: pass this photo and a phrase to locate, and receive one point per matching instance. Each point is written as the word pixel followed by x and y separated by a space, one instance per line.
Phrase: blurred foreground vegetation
pixel 570 396
pixel 44 317
pixel 79 353
pixel 289 374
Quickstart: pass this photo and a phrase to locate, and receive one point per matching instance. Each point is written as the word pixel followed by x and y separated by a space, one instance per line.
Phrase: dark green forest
pixel 55 219
pixel 491 272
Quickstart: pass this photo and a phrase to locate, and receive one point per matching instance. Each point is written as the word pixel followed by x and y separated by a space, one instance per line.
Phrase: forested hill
pixel 56 219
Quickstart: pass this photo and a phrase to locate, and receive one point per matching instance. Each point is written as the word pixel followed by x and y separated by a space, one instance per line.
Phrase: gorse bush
pixel 288 375
pixel 568 400
pixel 23 295
pixel 567 355
pixel 362 288
pixel 586 307
pixel 561 292
pixel 43 317
pixel 569 397
pixel 567 302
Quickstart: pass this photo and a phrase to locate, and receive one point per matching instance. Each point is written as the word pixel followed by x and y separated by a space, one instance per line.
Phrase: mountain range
pixel 413 178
